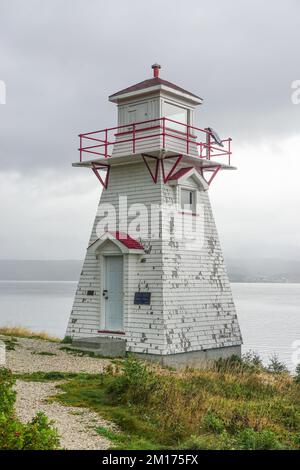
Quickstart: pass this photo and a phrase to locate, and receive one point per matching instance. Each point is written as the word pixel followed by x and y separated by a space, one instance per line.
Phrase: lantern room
pixel 151 105
pixel 155 123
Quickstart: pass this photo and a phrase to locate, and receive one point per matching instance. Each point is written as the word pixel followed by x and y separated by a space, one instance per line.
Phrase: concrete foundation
pixel 195 359
pixel 108 347
pixel 116 347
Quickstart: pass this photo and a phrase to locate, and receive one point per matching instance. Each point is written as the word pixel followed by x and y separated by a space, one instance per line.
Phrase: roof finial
pixel 156 68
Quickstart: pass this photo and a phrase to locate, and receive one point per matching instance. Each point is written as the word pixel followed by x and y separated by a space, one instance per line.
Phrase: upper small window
pixel 187 200
pixel 176 113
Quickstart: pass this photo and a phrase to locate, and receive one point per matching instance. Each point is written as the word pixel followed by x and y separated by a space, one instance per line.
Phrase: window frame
pixel 183 127
pixel 194 192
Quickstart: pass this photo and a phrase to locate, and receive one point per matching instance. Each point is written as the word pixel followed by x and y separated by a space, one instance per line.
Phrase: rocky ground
pixel 76 426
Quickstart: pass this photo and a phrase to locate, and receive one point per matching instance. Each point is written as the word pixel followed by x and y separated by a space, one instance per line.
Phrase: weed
pixel 46 376
pixel 43 353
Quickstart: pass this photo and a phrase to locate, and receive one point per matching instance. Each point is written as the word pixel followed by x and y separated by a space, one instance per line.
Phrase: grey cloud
pixel 61 59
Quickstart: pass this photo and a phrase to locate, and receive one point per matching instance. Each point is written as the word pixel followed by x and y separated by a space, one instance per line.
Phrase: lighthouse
pixel 154 281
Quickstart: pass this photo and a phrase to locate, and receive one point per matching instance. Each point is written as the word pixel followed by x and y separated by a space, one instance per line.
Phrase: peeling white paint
pixel 191 307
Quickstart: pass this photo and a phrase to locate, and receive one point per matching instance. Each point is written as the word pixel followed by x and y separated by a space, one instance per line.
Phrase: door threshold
pixel 111 332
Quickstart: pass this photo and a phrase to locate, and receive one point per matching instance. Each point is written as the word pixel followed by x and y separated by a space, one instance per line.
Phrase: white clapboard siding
pixel 191 302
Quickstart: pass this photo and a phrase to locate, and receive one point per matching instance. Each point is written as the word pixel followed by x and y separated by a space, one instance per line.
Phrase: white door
pixel 113 293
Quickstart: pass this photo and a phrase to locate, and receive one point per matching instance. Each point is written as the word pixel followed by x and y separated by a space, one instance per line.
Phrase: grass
pixel 237 405
pixel 46 376
pixel 121 440
pixel 21 332
pixel 110 435
pixel 43 353
pixel 10 343
pixel 91 391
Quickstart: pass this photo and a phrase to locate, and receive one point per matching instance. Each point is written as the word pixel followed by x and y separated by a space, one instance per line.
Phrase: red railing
pixel 201 139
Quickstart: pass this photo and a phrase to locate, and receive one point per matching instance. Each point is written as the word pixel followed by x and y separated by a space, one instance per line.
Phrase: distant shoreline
pixel 262 271
pixel 72 281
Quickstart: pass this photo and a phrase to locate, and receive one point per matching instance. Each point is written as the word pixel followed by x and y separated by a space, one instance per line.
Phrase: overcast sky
pixel 60 59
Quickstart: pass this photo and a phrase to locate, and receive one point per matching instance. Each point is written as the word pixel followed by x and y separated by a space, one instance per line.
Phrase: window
pixel 137 113
pixel 176 113
pixel 187 200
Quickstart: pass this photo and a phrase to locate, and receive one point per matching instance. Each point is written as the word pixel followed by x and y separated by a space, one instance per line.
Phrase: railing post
pixel 229 151
pixel 201 149
pixel 80 147
pixel 187 138
pixel 207 144
pixel 133 138
pixel 164 132
pixel 106 143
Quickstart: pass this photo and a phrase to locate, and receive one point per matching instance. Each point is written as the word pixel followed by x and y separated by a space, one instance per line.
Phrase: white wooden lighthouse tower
pixel 154 281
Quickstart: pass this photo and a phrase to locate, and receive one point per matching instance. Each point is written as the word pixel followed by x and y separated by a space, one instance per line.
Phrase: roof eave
pixel 116 98
pixel 192 173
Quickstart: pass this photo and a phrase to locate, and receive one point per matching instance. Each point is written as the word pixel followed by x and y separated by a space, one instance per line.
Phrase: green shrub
pixel 212 422
pixel 14 435
pixel 248 439
pixel 135 384
pixel 40 434
pixel 275 366
pixel 67 340
pixel 251 358
pixel 249 362
pixel 7 394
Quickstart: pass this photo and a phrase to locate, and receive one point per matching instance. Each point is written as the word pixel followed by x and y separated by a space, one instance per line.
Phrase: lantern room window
pixel 176 113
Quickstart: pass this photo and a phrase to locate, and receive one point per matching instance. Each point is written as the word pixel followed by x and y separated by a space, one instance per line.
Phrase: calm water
pixel 269 314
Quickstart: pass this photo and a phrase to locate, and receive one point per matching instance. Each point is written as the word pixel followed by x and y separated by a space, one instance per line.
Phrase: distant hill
pixel 263 270
pixel 239 270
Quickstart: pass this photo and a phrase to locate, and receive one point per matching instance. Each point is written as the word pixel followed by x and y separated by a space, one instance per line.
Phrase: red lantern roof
pixel 152 82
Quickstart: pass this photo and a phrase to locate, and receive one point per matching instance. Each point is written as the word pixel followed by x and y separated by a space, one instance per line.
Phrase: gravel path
pixel 27 358
pixel 76 426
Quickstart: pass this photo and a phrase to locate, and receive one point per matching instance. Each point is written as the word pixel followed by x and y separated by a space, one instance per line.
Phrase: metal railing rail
pixel 202 139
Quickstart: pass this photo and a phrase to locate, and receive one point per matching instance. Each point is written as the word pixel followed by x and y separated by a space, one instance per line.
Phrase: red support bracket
pixel 214 171
pixel 101 166
pixel 154 175
pixel 168 176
